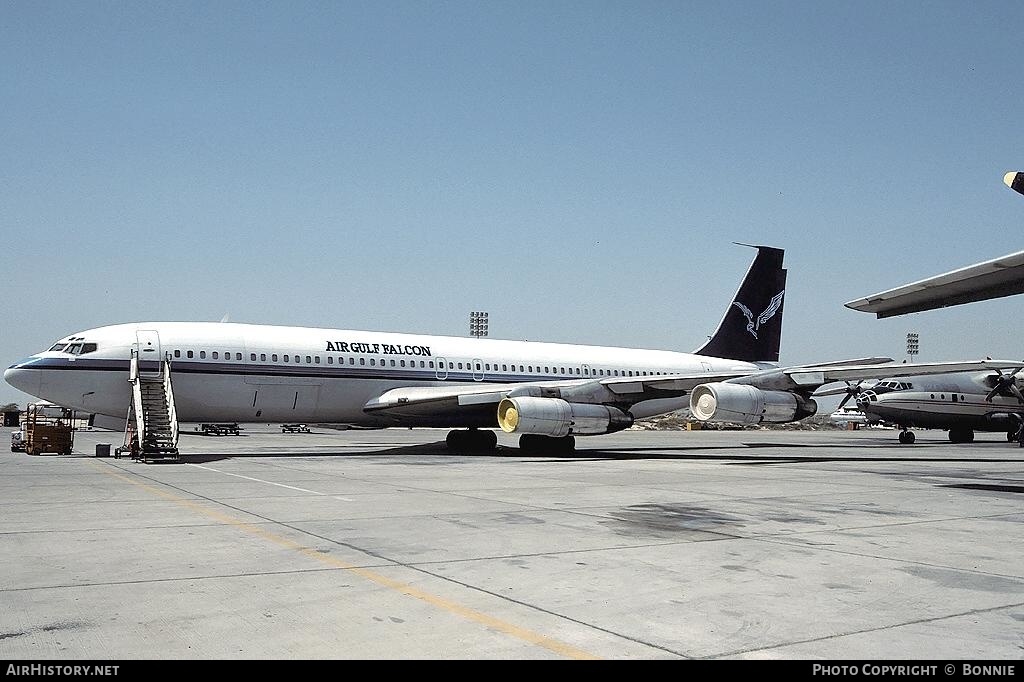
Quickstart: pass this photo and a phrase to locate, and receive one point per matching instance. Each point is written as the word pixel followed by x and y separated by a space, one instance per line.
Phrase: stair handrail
pixel 172 414
pixel 140 417
pixel 128 429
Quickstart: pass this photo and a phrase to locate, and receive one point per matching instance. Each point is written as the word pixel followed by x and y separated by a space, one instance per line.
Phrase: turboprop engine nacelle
pixel 742 404
pixel 556 417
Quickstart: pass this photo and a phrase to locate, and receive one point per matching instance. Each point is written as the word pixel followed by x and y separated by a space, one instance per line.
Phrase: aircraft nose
pixel 23 379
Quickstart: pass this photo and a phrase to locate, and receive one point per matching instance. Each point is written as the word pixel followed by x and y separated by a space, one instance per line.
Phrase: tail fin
pixel 752 327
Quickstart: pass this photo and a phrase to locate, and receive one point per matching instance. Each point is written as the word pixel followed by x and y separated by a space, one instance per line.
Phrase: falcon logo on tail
pixel 768 313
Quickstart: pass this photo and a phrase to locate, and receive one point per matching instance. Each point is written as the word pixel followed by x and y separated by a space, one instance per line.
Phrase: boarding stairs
pixel 151 434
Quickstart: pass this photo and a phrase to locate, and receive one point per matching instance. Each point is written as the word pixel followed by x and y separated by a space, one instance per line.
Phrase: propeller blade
pixel 845 400
pixel 1016 391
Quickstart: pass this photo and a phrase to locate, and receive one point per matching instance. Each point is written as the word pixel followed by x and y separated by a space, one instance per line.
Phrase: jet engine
pixel 556 417
pixel 742 404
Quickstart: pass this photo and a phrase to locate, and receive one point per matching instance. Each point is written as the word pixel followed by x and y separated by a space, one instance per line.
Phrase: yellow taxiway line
pixel 510 629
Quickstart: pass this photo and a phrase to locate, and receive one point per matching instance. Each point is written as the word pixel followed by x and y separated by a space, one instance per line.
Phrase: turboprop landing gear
pixel 961 435
pixel 907 436
pixel 471 441
pixel 533 444
pixel 1017 433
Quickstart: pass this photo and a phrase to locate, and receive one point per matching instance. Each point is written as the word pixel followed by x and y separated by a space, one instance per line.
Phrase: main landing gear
pixel 961 435
pixel 907 436
pixel 480 442
pixel 532 444
pixel 1017 433
pixel 472 441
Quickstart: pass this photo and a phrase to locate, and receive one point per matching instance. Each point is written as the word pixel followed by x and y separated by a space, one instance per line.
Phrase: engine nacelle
pixel 556 417
pixel 741 404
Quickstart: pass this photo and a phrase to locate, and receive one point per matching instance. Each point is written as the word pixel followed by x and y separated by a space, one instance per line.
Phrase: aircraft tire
pixel 471 441
pixel 907 437
pixel 961 435
pixel 454 440
pixel 530 444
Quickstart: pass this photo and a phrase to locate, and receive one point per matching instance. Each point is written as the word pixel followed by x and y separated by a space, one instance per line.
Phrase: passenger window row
pixel 214 355
pixel 422 364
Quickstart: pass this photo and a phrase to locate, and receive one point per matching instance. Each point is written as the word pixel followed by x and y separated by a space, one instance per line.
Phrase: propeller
pixel 851 389
pixel 1006 384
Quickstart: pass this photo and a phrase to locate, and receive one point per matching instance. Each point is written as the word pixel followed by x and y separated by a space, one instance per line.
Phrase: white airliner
pixel 962 403
pixel 546 392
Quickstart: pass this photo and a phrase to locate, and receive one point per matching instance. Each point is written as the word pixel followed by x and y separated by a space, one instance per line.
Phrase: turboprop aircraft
pixel 962 403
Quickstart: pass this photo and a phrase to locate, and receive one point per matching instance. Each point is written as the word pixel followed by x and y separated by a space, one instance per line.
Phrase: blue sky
pixel 578 169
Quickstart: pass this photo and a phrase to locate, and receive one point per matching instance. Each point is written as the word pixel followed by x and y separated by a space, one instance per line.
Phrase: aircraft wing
pixel 801 378
pixel 481 399
pixel 681 384
pixel 1003 276
pixel 456 394
pixel 666 385
pixel 804 376
pixel 476 403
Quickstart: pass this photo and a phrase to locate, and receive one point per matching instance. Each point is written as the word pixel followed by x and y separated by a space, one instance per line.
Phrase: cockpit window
pixel 58 346
pixel 76 348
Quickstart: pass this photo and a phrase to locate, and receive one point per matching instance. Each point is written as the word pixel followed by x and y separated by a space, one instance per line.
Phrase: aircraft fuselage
pixel 262 373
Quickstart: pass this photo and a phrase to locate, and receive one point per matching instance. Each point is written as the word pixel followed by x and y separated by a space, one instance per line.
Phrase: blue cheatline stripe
pixel 323 372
